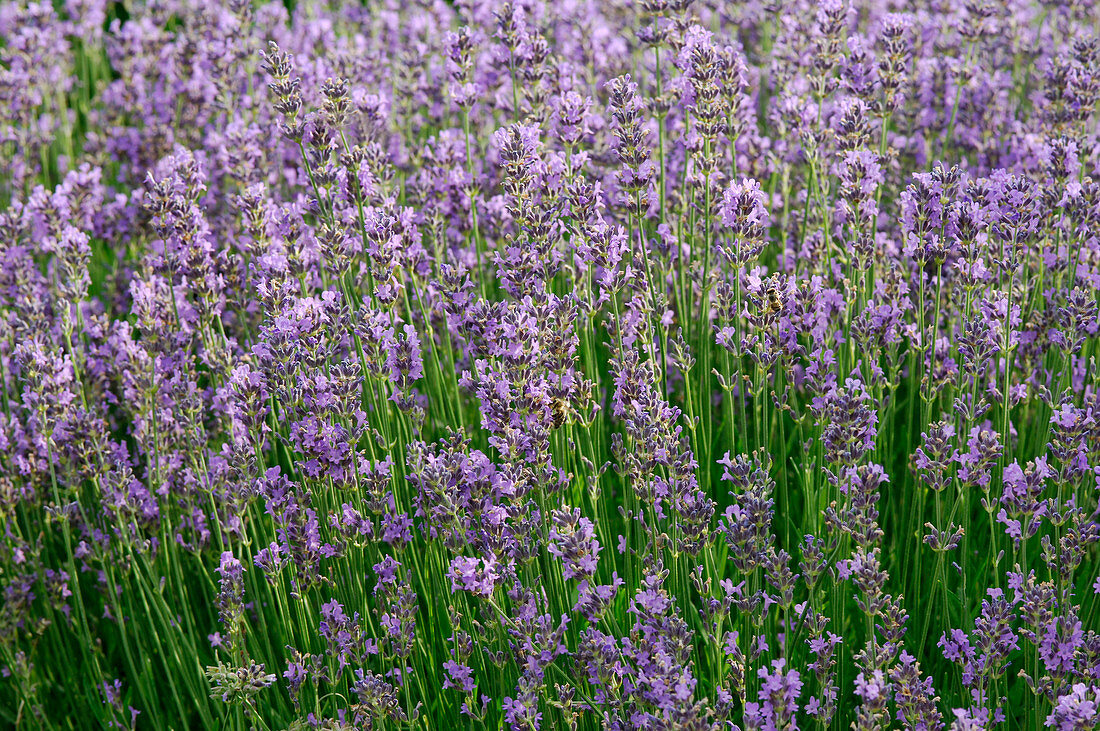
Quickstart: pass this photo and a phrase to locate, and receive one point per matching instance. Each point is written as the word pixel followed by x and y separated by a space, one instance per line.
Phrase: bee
pixel 557 412
pixel 772 302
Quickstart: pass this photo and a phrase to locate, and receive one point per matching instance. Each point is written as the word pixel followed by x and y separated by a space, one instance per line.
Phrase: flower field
pixel 645 365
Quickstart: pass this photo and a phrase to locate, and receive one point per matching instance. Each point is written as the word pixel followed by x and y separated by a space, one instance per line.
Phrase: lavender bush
pixel 550 365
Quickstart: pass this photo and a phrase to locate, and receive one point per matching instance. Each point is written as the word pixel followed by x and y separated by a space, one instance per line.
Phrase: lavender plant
pixel 537 365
